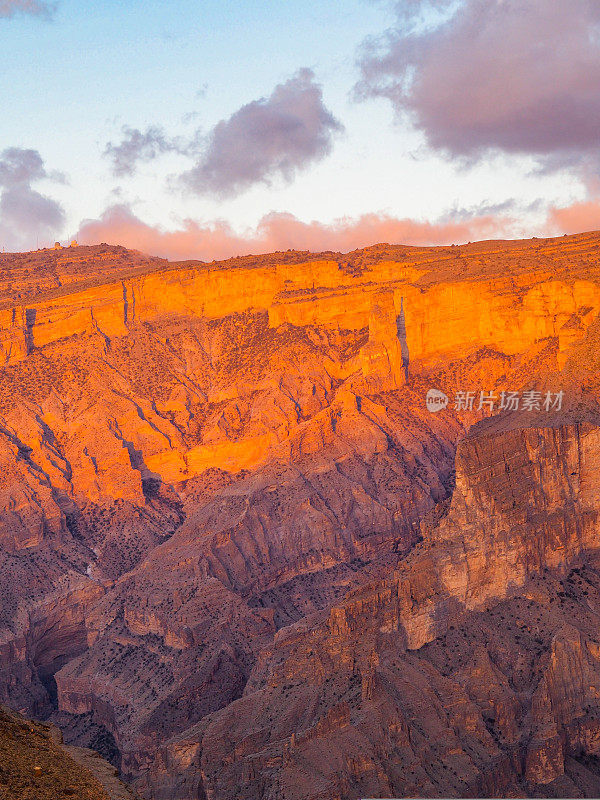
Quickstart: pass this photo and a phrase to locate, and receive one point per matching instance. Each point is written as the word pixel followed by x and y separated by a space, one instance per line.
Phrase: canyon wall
pixel 452 317
pixel 237 549
pixel 471 671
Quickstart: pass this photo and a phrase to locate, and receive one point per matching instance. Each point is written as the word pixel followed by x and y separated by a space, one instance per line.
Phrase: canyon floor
pixel 241 559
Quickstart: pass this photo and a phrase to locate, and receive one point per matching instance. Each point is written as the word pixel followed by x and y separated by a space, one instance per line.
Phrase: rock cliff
pixel 238 551
pixel 470 671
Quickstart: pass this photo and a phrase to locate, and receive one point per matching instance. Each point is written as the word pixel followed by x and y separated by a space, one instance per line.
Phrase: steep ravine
pixel 471 671
pixel 237 550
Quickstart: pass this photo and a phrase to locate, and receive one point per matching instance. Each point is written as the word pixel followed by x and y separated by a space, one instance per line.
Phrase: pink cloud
pixel 278 231
pixel 24 212
pixel 35 7
pixel 576 218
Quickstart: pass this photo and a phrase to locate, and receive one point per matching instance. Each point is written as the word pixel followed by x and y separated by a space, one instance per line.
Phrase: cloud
pixel 37 8
pixel 279 231
pixel 494 75
pixel 136 146
pixel 270 138
pixel 575 218
pixel 19 167
pixel 25 213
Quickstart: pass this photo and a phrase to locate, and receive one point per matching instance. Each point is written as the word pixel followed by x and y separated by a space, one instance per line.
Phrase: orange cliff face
pixel 504 305
pixel 511 310
pixel 222 493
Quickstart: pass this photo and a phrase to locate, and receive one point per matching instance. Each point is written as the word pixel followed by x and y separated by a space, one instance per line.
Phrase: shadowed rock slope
pixel 35 765
pixel 239 557
pixel 471 670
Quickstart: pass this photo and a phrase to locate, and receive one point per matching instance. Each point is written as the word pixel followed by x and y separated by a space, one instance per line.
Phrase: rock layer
pixel 469 672
pixel 237 550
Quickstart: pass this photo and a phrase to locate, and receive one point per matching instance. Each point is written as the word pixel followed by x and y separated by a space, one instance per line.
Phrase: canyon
pixel 239 556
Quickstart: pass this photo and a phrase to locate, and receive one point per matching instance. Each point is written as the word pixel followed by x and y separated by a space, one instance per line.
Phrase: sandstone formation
pixel 239 556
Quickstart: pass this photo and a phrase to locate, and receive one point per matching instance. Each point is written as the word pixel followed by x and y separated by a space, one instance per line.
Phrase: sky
pixel 218 128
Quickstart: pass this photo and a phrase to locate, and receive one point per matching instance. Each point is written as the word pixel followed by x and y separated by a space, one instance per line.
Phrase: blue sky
pixel 72 80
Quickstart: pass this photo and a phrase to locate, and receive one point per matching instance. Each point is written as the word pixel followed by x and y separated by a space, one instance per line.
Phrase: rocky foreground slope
pixel 241 558
pixel 36 765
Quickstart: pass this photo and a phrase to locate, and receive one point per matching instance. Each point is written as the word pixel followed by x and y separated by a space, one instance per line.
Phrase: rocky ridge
pixel 238 551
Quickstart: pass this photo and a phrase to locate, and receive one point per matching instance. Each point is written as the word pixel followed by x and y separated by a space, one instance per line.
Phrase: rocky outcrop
pixel 470 672
pixel 237 549
pixel 509 309
pixel 381 359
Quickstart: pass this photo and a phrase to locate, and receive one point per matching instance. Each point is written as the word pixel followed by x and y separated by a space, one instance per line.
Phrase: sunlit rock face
pixel 381 358
pixel 237 549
